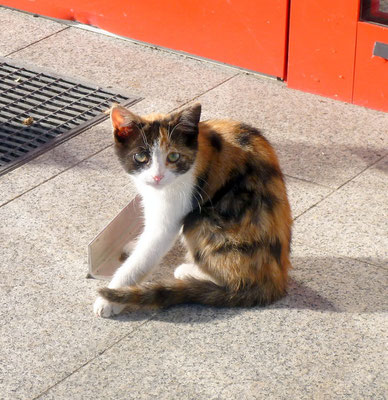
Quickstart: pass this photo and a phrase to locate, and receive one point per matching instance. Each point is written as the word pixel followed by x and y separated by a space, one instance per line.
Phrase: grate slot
pixel 60 107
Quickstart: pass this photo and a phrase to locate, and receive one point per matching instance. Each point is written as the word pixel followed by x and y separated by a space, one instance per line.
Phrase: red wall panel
pixel 322 47
pixel 247 33
pixel 371 72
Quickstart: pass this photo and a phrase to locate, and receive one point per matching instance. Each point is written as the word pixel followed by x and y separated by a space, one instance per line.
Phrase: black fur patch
pixel 276 250
pixel 247 132
pixel 183 166
pixel 244 139
pixel 228 205
pixel 197 257
pixel 181 136
pixel 202 179
pixel 241 193
pixel 215 141
pixel 232 200
pixel 269 201
pixel 192 218
pixel 199 194
pixel 264 171
pixel 191 140
pixel 244 248
pixel 184 127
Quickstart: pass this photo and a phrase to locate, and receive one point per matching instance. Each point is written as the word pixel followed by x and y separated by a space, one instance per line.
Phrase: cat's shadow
pixel 324 284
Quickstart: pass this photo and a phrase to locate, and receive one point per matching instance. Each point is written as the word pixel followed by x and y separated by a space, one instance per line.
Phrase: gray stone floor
pixel 326 340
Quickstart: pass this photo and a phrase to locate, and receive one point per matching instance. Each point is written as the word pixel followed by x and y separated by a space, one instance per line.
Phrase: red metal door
pixel 247 33
pixel 331 52
pixel 371 66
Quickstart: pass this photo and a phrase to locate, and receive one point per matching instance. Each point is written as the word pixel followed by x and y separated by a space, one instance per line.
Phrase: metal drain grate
pixel 39 110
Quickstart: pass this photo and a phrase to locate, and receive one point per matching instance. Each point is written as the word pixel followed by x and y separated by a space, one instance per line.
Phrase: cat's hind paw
pixel 105 309
pixel 184 271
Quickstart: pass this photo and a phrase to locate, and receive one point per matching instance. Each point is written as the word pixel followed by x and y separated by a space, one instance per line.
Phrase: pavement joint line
pixel 368 262
pixel 361 172
pixel 100 31
pixel 340 187
pixel 316 204
pixel 98 355
pixel 31 44
pixel 307 181
pixel 54 176
pixel 176 108
pixel 206 91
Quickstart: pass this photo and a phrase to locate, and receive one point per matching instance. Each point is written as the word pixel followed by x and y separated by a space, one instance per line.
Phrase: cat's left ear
pixel 123 122
pixel 189 117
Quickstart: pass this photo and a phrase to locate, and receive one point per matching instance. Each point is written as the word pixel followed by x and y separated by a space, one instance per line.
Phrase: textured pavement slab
pixel 19 30
pixel 351 222
pixel 193 352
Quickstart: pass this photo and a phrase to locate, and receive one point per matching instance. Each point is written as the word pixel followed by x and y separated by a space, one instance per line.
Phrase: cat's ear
pixel 124 122
pixel 189 117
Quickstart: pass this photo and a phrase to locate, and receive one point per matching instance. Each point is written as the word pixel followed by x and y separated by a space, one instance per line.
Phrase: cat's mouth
pixel 157 185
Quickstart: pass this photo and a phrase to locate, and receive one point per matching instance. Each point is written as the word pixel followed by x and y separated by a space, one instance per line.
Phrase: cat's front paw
pixel 105 309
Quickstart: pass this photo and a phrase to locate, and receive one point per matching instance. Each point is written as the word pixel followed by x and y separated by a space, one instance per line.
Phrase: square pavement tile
pixel 19 30
pixel 55 161
pixel 303 195
pixel 351 222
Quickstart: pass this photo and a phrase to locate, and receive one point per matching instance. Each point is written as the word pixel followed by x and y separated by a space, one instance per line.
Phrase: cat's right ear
pixel 124 122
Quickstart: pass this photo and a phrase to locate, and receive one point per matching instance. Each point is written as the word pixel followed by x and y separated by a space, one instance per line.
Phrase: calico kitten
pixel 219 184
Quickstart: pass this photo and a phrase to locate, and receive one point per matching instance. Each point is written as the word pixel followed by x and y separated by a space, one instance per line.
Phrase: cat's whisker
pixel 196 192
pixel 205 193
pixel 173 129
pixel 203 180
pixel 199 205
pixel 143 135
pixel 197 188
pixel 199 194
pixel 145 138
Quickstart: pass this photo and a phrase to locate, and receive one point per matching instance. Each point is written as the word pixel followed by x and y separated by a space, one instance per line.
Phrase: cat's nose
pixel 158 178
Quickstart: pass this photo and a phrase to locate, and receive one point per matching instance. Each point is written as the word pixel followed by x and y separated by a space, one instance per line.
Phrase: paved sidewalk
pixel 326 340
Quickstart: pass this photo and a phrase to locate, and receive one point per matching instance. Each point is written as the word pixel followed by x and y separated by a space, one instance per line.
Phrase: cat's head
pixel 157 149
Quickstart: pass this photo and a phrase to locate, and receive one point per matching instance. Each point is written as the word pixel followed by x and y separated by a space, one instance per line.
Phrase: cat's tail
pixel 169 293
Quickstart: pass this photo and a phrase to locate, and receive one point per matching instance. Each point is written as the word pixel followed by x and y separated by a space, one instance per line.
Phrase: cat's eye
pixel 142 157
pixel 173 157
